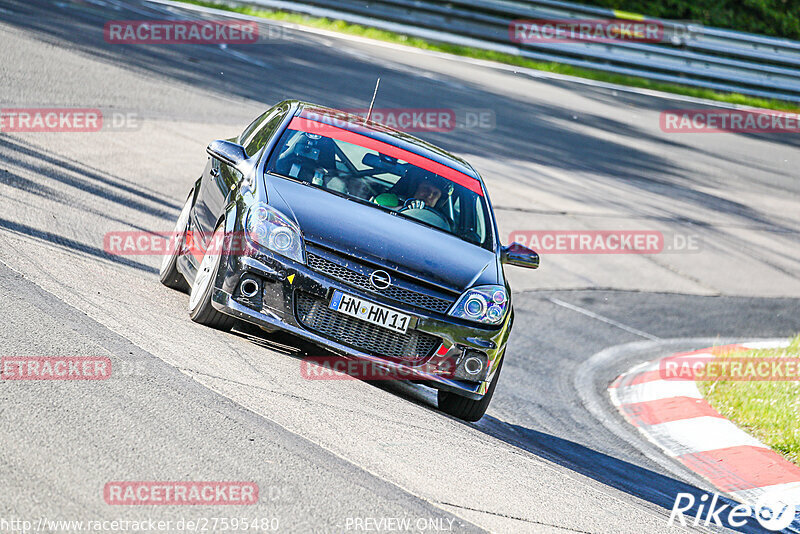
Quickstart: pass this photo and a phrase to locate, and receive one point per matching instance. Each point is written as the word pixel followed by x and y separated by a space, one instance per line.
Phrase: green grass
pixel 559 68
pixel 769 410
pixel 778 18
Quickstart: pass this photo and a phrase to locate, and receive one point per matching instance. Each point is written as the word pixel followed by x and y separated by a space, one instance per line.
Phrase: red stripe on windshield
pixel 340 134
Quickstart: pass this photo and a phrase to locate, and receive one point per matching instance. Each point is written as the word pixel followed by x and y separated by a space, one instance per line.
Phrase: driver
pixel 427 191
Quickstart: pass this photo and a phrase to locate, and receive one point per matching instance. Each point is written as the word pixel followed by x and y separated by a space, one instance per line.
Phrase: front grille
pixel 315 315
pixel 361 281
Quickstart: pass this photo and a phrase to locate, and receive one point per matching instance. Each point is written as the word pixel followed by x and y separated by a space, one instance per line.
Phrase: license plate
pixel 369 312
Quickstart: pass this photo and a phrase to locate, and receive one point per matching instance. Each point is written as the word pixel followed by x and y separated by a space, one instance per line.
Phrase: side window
pixel 481 226
pixel 253 125
pixel 267 125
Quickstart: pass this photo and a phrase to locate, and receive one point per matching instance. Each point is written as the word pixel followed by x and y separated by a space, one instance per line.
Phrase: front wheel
pixel 168 273
pixel 468 409
pixel 200 308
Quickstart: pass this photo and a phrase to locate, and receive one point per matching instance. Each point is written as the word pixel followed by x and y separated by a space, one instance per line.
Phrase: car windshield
pixel 370 171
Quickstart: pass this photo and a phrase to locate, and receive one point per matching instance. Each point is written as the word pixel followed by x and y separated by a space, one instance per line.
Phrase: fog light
pixel 473 365
pixel 249 288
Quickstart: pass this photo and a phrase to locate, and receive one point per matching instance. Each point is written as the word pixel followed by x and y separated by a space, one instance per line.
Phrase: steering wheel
pixel 417 209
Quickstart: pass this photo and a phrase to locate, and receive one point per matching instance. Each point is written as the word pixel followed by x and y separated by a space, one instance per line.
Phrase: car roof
pixel 386 134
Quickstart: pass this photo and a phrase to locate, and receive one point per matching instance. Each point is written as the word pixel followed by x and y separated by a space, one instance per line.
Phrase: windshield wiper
pixel 429 225
pixel 338 193
pixel 368 203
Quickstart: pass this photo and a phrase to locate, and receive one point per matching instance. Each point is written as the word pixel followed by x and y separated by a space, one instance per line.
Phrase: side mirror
pixel 519 255
pixel 227 152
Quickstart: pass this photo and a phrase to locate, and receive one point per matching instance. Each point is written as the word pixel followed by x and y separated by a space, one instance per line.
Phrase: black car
pixel 362 239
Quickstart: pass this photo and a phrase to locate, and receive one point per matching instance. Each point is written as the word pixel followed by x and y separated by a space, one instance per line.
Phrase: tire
pixel 168 273
pixel 200 308
pixel 464 408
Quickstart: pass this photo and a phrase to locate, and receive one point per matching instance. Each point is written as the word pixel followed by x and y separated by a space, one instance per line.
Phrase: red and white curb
pixel 673 415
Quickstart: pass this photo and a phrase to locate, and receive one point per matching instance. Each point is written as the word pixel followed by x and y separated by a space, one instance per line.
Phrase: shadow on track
pixel 72 245
pixel 527 130
pixel 53 168
pixel 639 482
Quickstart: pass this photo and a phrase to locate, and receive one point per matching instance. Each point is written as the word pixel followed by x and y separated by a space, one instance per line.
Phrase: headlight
pixel 272 230
pixel 484 304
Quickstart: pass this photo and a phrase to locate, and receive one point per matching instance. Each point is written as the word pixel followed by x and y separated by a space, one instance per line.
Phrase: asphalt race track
pixel 188 403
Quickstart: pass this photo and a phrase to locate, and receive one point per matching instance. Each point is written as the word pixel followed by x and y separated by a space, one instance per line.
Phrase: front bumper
pixel 282 281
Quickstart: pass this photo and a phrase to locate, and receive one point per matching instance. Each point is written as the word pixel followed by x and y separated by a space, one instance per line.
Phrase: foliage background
pixel 780 18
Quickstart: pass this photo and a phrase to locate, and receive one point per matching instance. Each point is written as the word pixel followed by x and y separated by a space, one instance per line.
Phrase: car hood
pixel 381 238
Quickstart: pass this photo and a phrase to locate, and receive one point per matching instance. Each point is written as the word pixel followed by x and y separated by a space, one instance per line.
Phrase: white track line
pixel 655 390
pixel 612 322
pixel 701 434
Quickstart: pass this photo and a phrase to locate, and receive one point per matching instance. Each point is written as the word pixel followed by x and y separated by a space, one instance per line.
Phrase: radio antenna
pixel 372 104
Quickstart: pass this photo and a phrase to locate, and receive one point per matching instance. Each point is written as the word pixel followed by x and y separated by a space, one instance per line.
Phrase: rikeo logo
pixel 772 512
